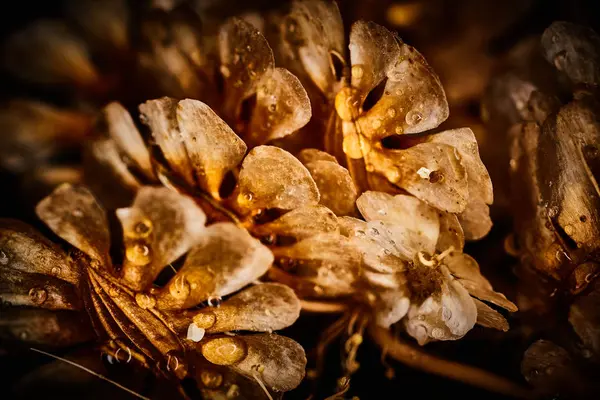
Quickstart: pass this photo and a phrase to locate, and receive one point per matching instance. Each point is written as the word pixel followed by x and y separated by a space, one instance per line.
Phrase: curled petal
pixel 311 155
pixel 490 318
pixel 45 327
pixel 24 249
pixel 48 52
pixel 328 260
pixel 260 308
pixel 124 133
pixel 36 290
pixel 73 213
pixel 451 233
pixel 335 185
pixel 301 223
pixel 202 129
pixel 475 221
pixel 159 227
pixel 282 107
pixel 430 171
pixel 272 178
pixel 226 259
pixel 245 58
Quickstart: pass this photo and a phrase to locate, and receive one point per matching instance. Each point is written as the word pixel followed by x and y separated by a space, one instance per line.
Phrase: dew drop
pixel 376 124
pixel 374 231
pixel 588 278
pixel 357 71
pixel 138 254
pixel 272 107
pixel 413 117
pixel 3 257
pixel 248 196
pixel 214 301
pixel 391 112
pixel 387 252
pixel 446 313
pixel 145 301
pixel 143 228
pixel 437 333
pixel 38 295
pixel 23 335
pixel 381 212
pixel 211 379
pixel 569 230
pixel 77 213
pixel 55 271
pixel 399 130
pixel 424 172
pixel 233 392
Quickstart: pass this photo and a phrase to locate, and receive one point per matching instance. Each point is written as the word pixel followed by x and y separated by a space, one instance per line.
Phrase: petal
pixel 451 233
pixel 310 155
pixel 46 327
pixel 488 295
pixel 585 318
pixel 407 211
pixel 48 52
pixel 245 58
pixel 105 22
pixel 160 116
pixel 349 226
pixel 431 172
pixel 24 249
pixel 475 220
pixel 282 107
pixel 490 318
pixel 37 290
pixel 159 227
pixel 202 129
pixel 226 260
pixel 73 213
pixel 127 137
pixel 272 178
pixel 328 260
pixel 106 153
pixel 384 247
pixel 391 307
pixel 301 223
pixel 260 308
pixel 335 185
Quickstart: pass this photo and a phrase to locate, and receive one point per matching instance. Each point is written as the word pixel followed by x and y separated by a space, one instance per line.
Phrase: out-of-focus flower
pixel 159 326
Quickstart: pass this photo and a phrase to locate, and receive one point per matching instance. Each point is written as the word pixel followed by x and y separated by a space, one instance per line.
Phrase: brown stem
pixel 416 358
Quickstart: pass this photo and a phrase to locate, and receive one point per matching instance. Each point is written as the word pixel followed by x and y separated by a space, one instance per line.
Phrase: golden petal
pixel 202 129
pixel 451 233
pixel 159 227
pixel 125 134
pixel 226 260
pixel 73 213
pixel 301 223
pixel 490 318
pixel 105 22
pixel 24 249
pixel 282 107
pixel 279 362
pixel 36 290
pixel 583 317
pixel 349 226
pixel 106 153
pixel 328 260
pixel 475 220
pixel 261 308
pixel 271 177
pixel 48 52
pixel 311 155
pixel 245 58
pixel 390 307
pixel 335 185
pixel 160 116
pixel 488 295
pixel 45 327
pixel 431 172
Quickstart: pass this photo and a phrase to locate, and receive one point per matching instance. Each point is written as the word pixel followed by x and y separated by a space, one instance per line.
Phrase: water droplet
pixel 413 117
pixel 399 130
pixel 249 48
pixel 248 196
pixel 143 228
pixel 376 124
pixel 211 379
pixel 126 358
pixel 588 278
pixel 77 213
pixel 381 212
pixel 214 301
pixel 559 60
pixel 195 333
pixel 3 257
pixel 225 71
pixel 38 295
pixel 144 300
pixel 173 363
pixel 374 231
pixel 233 392
pixel 357 71
pixel 387 252
pixel 23 335
pixel 360 233
pixel 391 112
pixel 569 230
pixel 437 333
pixel 138 254
pixel 446 313
pixel 424 172
pixel 436 176
pixel 56 271
pixel 272 107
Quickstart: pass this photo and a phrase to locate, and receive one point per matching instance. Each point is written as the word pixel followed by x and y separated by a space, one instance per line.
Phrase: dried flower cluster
pixel 324 178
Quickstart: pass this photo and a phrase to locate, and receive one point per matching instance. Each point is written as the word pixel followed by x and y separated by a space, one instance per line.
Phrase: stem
pixel 419 359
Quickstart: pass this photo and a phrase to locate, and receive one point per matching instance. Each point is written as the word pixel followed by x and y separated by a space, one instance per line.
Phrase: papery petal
pixel 431 172
pixel 349 226
pixel 328 260
pixel 584 317
pixel 202 129
pixel 46 327
pixel 160 116
pixel 106 21
pixel 159 227
pixel 261 308
pixel 226 260
pixel 490 318
pixel 48 52
pixel 301 223
pixel 124 133
pixel 335 185
pixel 384 247
pixel 390 307
pixel 106 153
pixel 451 233
pixel 475 220
pixel 24 249
pixel 310 155
pixel 245 58
pixel 271 177
pixel 73 213
pixel 488 295
pixel 282 107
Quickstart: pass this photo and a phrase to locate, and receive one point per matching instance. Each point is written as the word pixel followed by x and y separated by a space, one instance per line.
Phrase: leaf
pixel 159 227
pixel 301 223
pixel 260 308
pixel 226 260
pixel 335 185
pixel 73 213
pixel 202 129
pixel 126 136
pixel 272 178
